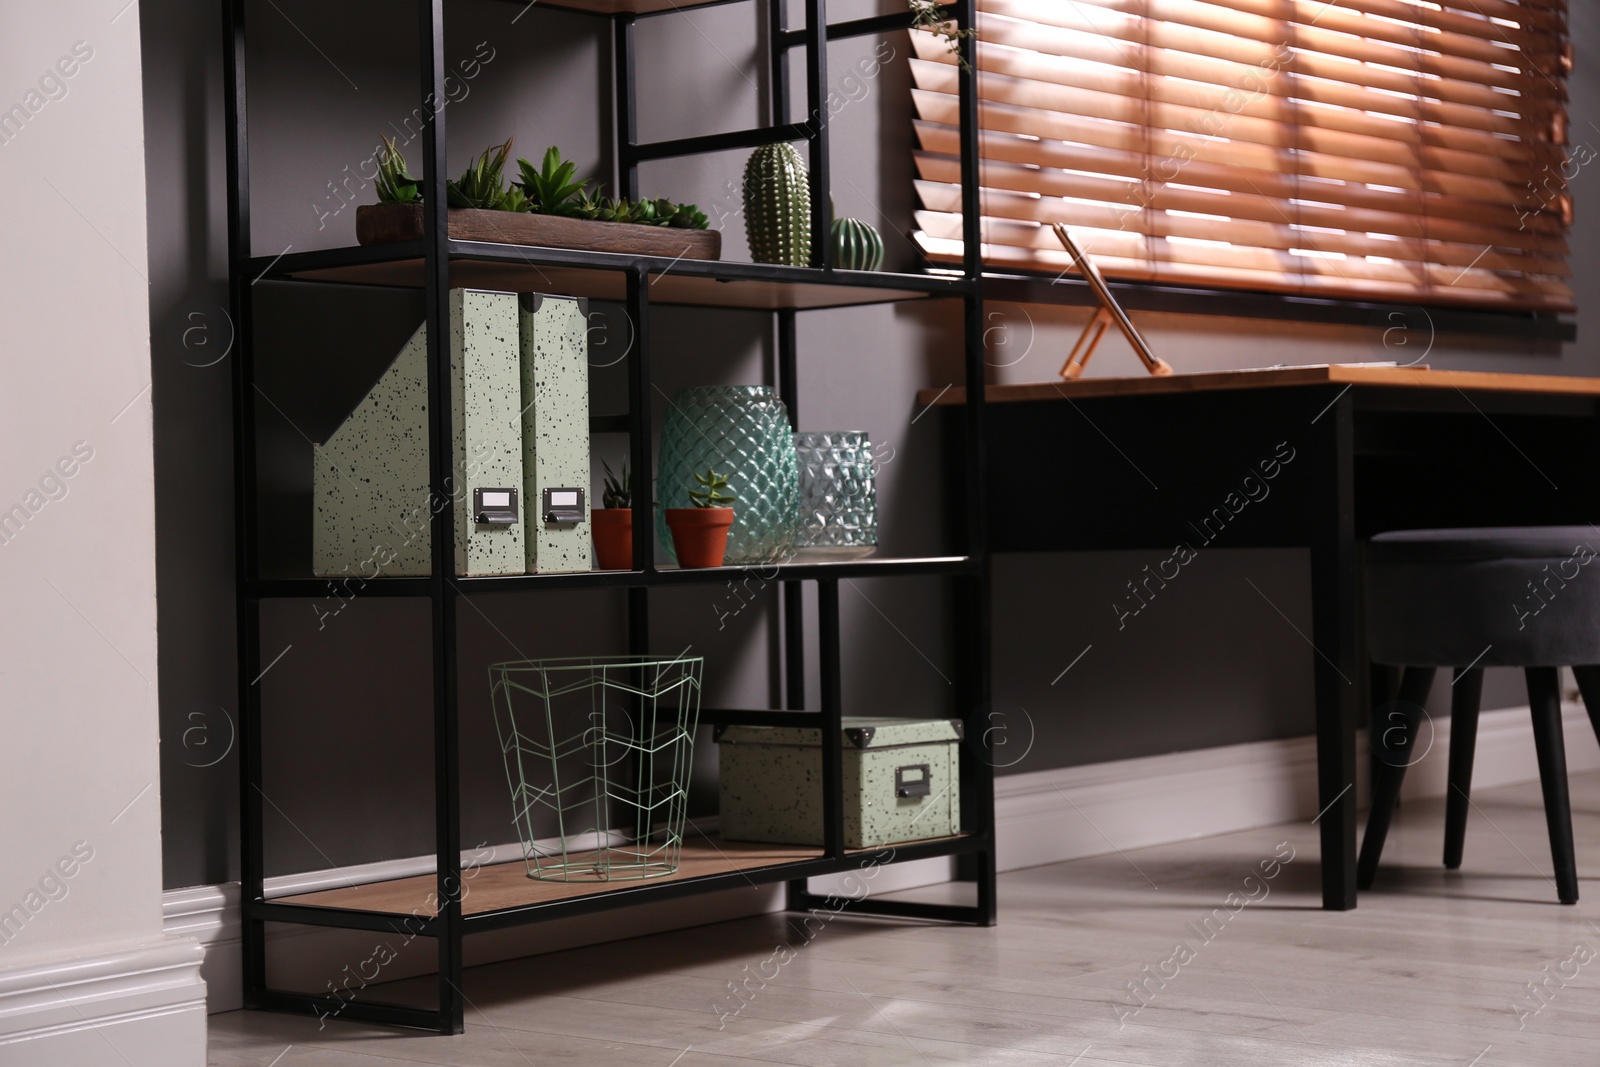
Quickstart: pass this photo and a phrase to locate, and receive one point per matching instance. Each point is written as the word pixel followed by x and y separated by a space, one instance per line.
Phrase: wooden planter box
pixel 378 224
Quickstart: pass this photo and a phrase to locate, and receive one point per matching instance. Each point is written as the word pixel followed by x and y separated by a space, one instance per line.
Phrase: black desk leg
pixel 1336 639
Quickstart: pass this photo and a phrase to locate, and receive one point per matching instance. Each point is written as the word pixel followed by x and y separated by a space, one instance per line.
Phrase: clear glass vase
pixel 838 502
pixel 743 432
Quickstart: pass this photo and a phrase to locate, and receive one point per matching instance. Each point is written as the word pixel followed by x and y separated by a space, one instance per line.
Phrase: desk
pixel 1151 463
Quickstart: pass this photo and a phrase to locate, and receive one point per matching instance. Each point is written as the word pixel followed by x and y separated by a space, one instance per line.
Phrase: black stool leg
pixel 1393 737
pixel 1589 686
pixel 1544 698
pixel 1465 698
pixel 1384 683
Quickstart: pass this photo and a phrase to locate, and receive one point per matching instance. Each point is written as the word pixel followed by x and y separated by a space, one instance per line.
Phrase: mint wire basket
pixel 599 750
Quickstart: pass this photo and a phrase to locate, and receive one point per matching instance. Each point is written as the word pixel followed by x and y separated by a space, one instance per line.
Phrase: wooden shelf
pixel 502 895
pixel 507 885
pixel 604 276
pixel 871 567
pixel 1274 377
pixel 681 288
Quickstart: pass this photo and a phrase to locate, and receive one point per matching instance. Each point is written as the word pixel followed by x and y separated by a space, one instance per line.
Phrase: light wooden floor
pixel 1425 972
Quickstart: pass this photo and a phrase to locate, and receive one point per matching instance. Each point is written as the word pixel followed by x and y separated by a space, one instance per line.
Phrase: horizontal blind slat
pixel 1279 132
pixel 1240 168
pixel 1008 48
pixel 1213 35
pixel 1020 207
pixel 1552 297
pixel 1248 206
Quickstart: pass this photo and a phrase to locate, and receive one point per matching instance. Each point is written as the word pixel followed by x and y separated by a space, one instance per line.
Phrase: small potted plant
pixel 612 525
pixel 700 533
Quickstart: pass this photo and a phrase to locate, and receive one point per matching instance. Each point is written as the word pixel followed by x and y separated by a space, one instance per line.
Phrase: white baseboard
pixel 1050 816
pixel 209 914
pixel 1505 753
pixel 1041 817
pixel 143 1006
pixel 1071 812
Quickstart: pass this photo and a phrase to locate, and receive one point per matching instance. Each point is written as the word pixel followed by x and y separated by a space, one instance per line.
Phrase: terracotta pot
pixel 613 538
pixel 699 535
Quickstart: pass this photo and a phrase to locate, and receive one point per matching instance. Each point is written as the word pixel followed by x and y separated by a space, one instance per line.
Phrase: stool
pixel 1524 597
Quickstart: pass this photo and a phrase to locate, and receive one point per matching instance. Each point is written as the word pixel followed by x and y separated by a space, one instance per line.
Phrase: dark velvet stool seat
pixel 1468 599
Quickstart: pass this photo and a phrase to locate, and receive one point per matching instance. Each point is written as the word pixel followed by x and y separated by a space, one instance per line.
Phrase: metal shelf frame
pixel 968 572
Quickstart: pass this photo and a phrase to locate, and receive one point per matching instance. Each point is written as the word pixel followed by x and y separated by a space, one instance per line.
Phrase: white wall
pixel 80 877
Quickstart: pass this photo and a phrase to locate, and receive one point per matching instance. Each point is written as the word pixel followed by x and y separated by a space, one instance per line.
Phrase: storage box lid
pixel 859 732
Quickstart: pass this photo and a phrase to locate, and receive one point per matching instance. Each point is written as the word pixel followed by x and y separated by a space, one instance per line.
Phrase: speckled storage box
pixel 371 476
pixel 902 782
pixel 555 427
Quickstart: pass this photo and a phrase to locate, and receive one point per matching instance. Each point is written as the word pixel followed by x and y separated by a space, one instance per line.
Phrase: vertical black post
pixel 832 717
pixel 778 22
pixel 247 608
pixel 965 12
pixel 974 622
pixel 625 109
pixel 794 632
pixel 817 129
pixel 1335 632
pixel 639 423
pixel 794 637
pixel 441 461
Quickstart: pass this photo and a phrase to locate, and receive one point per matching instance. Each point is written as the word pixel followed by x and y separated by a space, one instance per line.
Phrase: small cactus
pixel 483 185
pixel 619 491
pixel 857 245
pixel 395 183
pixel 777 206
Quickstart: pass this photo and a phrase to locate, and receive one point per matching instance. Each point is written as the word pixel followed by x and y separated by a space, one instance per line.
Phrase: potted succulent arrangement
pixel 612 525
pixel 548 206
pixel 700 533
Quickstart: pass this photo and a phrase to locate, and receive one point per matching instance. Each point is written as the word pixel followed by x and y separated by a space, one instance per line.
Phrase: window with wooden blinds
pixel 1404 150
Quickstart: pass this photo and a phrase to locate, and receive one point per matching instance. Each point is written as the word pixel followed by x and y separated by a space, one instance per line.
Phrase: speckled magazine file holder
pixel 555 426
pixel 371 476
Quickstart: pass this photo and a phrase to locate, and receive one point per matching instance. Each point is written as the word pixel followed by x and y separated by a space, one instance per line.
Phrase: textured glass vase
pixel 838 503
pixel 741 431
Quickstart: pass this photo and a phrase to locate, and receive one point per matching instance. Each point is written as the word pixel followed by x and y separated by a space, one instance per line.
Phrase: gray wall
pixel 1209 664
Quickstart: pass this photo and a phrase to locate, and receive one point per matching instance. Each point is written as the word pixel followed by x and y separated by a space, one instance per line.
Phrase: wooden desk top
pixel 1281 377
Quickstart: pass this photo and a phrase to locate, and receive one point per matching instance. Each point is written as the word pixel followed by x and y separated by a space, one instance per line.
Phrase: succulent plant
pixel 678 216
pixel 619 491
pixel 643 213
pixel 551 189
pixel 513 200
pixel 587 206
pixel 711 493
pixel 483 184
pixel 616 210
pixel 777 206
pixel 857 245
pixel 689 217
pixel 395 183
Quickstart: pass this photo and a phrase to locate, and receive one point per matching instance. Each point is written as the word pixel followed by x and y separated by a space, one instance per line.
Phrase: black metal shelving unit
pixel 435 264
